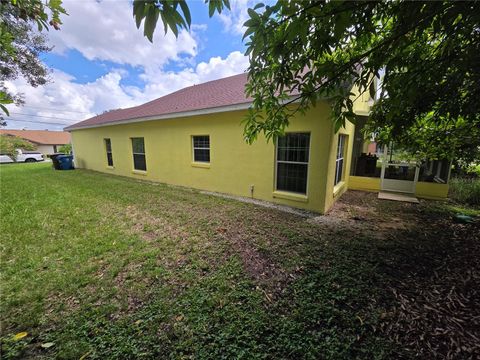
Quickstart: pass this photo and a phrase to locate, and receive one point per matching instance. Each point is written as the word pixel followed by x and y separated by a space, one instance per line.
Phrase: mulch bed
pixel 432 299
pixel 436 311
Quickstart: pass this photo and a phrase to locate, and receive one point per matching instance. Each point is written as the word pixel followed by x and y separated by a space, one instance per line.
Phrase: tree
pixel 429 53
pixel 66 149
pixel 21 45
pixel 9 145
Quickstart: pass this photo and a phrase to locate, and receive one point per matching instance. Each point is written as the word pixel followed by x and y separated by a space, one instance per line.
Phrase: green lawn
pixel 104 267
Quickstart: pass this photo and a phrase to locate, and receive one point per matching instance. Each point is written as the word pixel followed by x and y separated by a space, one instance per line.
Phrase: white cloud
pixel 234 19
pixel 70 102
pixel 216 68
pixel 106 30
pixel 65 101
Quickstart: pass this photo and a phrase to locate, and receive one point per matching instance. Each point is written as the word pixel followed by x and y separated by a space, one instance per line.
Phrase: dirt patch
pixel 362 212
pixel 265 204
pixel 266 273
pixel 237 237
pixel 151 227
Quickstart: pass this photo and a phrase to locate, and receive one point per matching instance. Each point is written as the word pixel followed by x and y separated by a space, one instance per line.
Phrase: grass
pixel 465 190
pixel 107 267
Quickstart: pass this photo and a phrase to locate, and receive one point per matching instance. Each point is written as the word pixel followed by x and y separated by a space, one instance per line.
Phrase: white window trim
pixel 341 138
pixel 135 153
pixel 200 148
pixel 277 190
pixel 108 152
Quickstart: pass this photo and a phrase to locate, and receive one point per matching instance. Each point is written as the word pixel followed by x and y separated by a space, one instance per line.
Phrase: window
pixel 292 162
pixel 201 148
pixel 139 162
pixel 342 140
pixel 108 148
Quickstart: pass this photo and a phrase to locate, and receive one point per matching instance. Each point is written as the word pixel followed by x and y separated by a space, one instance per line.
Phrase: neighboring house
pixel 47 142
pixel 194 137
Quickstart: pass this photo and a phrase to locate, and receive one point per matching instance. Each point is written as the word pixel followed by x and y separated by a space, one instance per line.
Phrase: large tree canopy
pixel 21 45
pixel 427 55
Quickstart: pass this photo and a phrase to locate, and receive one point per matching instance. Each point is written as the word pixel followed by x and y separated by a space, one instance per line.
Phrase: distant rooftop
pixel 41 137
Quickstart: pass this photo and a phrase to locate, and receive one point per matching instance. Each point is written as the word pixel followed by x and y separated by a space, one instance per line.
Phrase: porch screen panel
pixel 292 162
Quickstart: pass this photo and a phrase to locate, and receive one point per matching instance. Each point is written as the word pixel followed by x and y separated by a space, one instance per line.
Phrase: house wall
pixel 428 190
pixel 234 165
pixel 362 103
pixel 45 149
pixel 364 183
pixel 333 192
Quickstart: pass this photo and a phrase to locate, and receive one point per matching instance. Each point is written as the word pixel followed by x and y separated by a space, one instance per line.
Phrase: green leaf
pixel 150 22
pixel 186 12
pixel 371 89
pixel 4 109
pixel 164 21
pixel 253 14
pixel 250 23
pixel 248 32
pixel 339 123
pixel 341 24
pixel 211 8
pixel 138 11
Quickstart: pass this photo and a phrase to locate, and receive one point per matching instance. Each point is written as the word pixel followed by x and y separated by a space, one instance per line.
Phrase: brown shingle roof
pixel 41 137
pixel 213 94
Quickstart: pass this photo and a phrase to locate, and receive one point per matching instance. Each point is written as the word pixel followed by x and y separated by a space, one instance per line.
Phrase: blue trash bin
pixel 65 162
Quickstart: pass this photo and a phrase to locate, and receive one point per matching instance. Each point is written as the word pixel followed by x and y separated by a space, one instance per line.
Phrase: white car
pixel 22 156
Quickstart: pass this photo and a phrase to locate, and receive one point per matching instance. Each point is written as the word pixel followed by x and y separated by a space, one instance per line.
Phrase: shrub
pixel 9 144
pixel 465 190
pixel 66 149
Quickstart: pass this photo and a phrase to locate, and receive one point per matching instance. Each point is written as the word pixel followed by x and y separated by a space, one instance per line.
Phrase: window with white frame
pixel 292 162
pixel 108 148
pixel 138 147
pixel 201 148
pixel 340 160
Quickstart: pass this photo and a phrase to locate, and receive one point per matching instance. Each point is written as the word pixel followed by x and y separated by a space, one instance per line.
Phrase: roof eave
pixel 228 108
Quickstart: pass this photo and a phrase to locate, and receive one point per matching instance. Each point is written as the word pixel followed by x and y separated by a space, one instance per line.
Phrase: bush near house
pixel 465 190
pixel 66 149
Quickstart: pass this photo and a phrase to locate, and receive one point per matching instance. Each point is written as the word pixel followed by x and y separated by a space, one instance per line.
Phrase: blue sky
pixel 100 61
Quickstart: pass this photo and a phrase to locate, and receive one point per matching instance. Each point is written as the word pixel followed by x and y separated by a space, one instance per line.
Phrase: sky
pixel 101 61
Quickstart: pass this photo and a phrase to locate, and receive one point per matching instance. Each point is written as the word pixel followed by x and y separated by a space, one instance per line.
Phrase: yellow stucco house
pixel 194 138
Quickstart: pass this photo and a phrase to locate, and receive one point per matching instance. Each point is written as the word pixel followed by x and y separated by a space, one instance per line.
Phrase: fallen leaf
pixel 47 345
pixel 20 335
